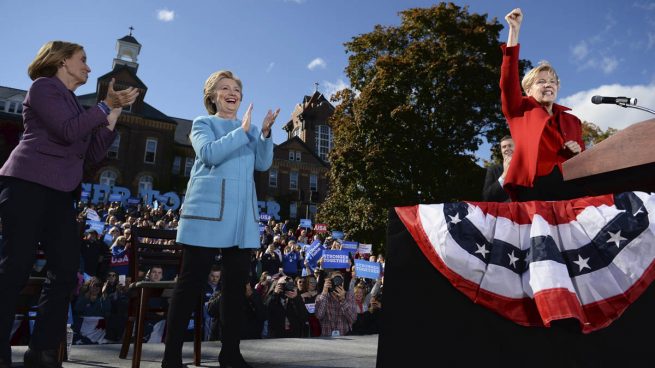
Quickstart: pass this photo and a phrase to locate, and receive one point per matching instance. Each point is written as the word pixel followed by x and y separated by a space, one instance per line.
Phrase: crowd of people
pixel 285 296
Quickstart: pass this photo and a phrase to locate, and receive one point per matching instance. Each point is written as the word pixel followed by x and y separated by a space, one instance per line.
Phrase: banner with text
pixel 336 259
pixel 366 269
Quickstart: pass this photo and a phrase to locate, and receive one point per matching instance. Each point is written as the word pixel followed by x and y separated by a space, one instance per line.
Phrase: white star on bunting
pixel 615 238
pixel 582 263
pixel 482 249
pixel 512 259
pixel 455 219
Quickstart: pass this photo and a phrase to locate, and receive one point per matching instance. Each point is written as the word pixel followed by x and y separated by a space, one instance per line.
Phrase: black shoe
pixel 232 361
pixel 41 359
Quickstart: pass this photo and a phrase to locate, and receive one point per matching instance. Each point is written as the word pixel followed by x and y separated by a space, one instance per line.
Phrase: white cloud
pixel 580 51
pixel 316 63
pixel 332 88
pixel 608 64
pixel 270 67
pixel 645 6
pixel 165 15
pixel 614 116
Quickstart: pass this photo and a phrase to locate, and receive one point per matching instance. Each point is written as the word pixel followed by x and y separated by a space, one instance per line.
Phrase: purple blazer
pixel 59 135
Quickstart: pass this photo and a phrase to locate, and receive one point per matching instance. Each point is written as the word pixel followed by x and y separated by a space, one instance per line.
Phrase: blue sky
pixel 280 48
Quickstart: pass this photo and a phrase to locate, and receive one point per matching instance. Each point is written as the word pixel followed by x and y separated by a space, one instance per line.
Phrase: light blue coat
pixel 220 206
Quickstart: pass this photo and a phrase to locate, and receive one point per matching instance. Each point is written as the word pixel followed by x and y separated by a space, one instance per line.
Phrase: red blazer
pixel 527 119
pixel 59 135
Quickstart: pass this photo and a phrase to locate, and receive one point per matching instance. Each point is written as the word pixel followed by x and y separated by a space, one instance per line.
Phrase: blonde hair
pixel 210 87
pixel 50 57
pixel 531 76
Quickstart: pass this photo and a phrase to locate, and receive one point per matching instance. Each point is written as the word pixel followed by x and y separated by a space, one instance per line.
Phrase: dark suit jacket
pixel 59 135
pixel 492 191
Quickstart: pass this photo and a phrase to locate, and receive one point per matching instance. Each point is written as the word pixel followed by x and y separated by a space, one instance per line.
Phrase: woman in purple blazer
pixel 37 186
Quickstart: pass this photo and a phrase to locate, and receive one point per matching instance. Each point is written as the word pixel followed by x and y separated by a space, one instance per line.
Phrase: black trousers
pixel 196 263
pixel 551 187
pixel 33 213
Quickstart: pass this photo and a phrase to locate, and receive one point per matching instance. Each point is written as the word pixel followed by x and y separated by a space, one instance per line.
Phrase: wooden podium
pixel 623 162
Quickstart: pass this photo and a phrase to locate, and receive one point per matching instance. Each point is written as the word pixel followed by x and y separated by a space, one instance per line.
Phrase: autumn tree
pixel 592 133
pixel 421 97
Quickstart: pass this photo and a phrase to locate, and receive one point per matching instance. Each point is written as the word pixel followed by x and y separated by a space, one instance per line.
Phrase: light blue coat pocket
pixel 205 200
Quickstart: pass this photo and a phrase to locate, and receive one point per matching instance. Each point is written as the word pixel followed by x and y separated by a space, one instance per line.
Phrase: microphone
pixel 614 100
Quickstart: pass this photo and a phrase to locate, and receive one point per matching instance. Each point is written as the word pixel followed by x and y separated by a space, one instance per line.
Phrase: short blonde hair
pixel 50 57
pixel 531 76
pixel 210 87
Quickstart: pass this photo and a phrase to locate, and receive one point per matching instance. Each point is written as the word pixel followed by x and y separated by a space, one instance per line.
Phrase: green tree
pixel 592 133
pixel 422 95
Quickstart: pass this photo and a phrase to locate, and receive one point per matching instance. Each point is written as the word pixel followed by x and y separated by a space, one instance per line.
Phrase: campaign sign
pixel 320 228
pixel 350 246
pixel 98 226
pixel 335 259
pixel 366 269
pixel 364 248
pixel 313 254
pixel 261 228
pixel 264 217
pixel 337 234
pixel 133 201
pixel 307 223
pixel 311 307
pixel 115 197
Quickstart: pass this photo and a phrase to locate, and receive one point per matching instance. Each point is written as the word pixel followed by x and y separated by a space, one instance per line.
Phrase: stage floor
pixel 318 352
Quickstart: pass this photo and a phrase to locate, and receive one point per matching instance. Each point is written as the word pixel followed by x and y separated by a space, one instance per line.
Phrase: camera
pixel 289 285
pixel 337 280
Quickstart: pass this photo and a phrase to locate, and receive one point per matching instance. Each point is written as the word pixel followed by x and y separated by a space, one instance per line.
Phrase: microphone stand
pixel 622 104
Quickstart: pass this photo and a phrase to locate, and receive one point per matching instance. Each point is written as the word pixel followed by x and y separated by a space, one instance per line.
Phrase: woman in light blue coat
pixel 219 214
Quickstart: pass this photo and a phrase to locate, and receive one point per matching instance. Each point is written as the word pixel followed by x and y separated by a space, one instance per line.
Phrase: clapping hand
pixel 269 119
pixel 120 99
pixel 245 121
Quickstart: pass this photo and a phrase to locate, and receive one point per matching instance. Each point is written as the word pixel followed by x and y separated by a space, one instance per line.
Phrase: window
pixel 108 177
pixel 312 211
pixel 293 180
pixel 313 182
pixel 15 107
pixel 177 161
pixel 323 141
pixel 151 151
pixel 298 155
pixel 3 105
pixel 292 156
pixel 188 165
pixel 293 210
pixel 145 183
pixel 296 132
pixel 272 178
pixel 113 149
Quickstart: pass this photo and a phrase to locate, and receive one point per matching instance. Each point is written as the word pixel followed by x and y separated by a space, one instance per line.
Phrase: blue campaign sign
pixel 306 223
pixel 261 228
pixel 366 269
pixel 313 254
pixel 98 226
pixel 336 259
pixel 264 217
pixel 133 200
pixel 337 234
pixel 350 246
pixel 115 197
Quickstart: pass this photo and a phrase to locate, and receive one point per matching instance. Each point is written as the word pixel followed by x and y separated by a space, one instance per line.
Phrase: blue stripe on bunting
pixel 599 253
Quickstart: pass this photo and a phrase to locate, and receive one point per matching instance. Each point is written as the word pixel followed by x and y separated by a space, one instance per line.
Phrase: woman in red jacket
pixel 545 134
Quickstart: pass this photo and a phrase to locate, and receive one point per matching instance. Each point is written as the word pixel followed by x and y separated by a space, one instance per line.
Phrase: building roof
pixel 130 70
pixel 305 146
pixel 131 39
pixel 147 111
pixel 182 131
pixel 8 92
